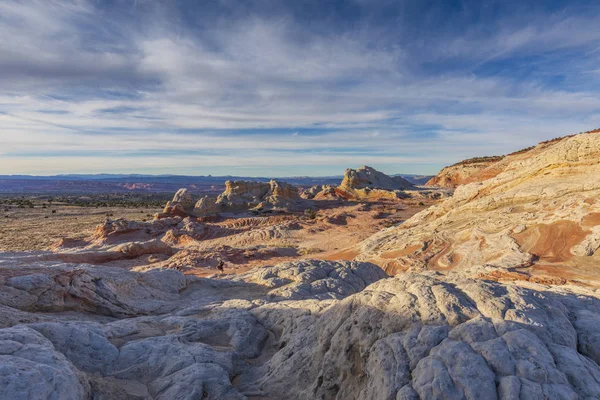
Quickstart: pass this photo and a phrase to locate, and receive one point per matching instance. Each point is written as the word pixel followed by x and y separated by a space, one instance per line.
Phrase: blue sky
pixel 282 88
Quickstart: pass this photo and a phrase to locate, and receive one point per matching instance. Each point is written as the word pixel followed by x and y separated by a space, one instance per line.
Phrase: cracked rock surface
pixel 301 330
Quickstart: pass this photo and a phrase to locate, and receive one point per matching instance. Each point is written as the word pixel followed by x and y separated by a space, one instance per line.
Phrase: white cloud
pixel 76 80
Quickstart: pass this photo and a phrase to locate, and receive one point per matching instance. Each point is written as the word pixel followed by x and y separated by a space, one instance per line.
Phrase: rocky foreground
pixel 302 330
pixel 490 294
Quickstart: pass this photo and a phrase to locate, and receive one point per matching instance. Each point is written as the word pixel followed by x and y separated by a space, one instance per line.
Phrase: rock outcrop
pixel 187 339
pixel 320 192
pixel 181 205
pixel 47 287
pixel 364 183
pixel 540 212
pixel 314 279
pixel 33 369
pixel 369 178
pixel 238 196
pixel 422 337
pixel 479 169
pixel 466 171
pixel 299 330
pixel 245 195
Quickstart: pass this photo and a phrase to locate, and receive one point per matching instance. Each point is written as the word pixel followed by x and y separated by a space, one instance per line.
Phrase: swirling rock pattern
pixel 299 330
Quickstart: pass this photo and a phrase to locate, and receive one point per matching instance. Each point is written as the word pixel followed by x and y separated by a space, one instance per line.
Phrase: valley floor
pixel 242 241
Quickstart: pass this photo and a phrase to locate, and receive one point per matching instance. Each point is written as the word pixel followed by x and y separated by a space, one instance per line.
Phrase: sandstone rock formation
pixel 238 196
pixel 419 337
pixel 481 168
pixel 181 205
pixel 242 240
pixel 46 286
pixel 367 177
pixel 187 339
pixel 319 191
pixel 463 172
pixel 300 330
pixel 537 217
pixel 364 183
pixel 496 295
pixel 244 195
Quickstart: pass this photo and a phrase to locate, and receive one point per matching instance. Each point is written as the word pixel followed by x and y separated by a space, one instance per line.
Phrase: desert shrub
pixel 476 160
pixel 310 213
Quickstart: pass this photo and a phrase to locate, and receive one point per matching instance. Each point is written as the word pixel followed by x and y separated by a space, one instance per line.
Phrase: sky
pixel 289 88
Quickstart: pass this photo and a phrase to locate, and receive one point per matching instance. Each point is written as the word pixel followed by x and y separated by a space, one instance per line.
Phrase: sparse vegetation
pixel 305 251
pixel 102 200
pixel 476 160
pixel 525 150
pixel 37 220
pixel 310 213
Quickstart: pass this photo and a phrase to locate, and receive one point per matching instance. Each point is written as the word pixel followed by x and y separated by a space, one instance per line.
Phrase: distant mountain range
pixel 115 183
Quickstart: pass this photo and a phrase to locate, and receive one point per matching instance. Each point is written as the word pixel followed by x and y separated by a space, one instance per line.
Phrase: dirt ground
pixel 242 241
pixel 23 229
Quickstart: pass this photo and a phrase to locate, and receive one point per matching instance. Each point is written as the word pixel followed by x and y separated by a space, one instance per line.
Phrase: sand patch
pixel 347 255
